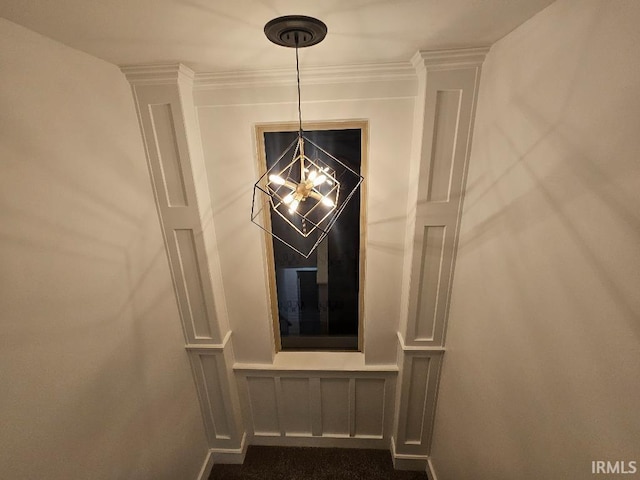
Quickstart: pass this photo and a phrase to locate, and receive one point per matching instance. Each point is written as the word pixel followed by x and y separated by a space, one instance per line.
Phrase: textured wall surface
pixel 543 346
pixel 95 379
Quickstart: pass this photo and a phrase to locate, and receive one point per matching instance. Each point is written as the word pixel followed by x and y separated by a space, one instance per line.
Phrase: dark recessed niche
pixel 318 297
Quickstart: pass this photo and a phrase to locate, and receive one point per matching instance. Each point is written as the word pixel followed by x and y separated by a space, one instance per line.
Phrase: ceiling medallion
pixel 283 30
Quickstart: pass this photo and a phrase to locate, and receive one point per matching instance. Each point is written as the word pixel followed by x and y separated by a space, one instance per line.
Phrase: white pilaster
pixel 443 123
pixel 164 100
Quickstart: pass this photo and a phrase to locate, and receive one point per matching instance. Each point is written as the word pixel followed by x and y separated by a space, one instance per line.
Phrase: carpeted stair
pixel 301 463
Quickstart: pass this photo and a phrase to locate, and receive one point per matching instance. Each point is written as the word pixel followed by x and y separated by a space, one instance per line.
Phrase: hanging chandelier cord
pixel 298 79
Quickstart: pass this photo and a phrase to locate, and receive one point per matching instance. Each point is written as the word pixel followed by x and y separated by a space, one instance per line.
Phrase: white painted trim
pixel 207 465
pixel 208 347
pixel 403 461
pixel 447 59
pixel 164 96
pixel 308 76
pixel 312 75
pixel 418 348
pixel 324 441
pixel 317 362
pixel 231 455
pixel 417 464
pixel 431 472
pixel 270 370
pixel 448 83
pixel 157 73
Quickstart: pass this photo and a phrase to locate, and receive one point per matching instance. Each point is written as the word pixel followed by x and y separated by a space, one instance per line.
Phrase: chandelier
pixel 305 189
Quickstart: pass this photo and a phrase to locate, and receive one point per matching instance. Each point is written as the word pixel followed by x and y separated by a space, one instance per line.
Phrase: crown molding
pixel 449 59
pixel 308 76
pixel 157 74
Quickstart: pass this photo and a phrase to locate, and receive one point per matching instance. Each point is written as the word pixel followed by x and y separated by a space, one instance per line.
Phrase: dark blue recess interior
pixel 303 301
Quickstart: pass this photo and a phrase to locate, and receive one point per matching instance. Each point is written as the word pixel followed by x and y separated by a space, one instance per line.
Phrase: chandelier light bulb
pixel 277 179
pixel 294 206
pixel 319 180
pixel 288 199
pixel 327 201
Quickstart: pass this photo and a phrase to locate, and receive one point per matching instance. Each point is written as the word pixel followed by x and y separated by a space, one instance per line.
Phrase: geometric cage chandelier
pixel 304 189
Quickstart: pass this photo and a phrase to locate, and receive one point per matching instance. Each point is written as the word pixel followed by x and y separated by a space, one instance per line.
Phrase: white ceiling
pixel 225 36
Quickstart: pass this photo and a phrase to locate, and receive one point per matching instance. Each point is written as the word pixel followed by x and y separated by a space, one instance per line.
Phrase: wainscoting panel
pixel 318 408
pixel 217 391
pixel 215 414
pixel 418 401
pixel 334 404
pixel 369 407
pixel 418 374
pixel 264 406
pixel 417 395
pixel 296 407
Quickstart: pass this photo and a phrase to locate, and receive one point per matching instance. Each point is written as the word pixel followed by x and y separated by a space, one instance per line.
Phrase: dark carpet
pixel 303 463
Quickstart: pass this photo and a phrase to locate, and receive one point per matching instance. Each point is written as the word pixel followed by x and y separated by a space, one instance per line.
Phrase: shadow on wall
pixel 544 328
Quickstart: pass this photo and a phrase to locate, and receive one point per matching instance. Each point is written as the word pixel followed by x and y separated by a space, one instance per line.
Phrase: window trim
pixel 262 128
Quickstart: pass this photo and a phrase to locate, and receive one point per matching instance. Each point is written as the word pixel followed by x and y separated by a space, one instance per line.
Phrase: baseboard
pixel 205 471
pixel 431 473
pixel 231 455
pixel 236 456
pixel 403 461
pixel 324 441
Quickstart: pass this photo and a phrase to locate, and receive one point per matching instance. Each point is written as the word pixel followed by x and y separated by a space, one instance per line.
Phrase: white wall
pixel 543 349
pixel 227 120
pixel 95 379
pixel 298 398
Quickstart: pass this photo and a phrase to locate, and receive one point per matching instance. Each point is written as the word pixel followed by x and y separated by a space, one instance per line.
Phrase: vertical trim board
pixel 277 382
pixel 192 296
pixel 435 368
pixel 445 134
pixel 215 397
pixel 315 406
pixel 207 465
pixel 201 388
pixel 429 311
pixel 352 407
pixel 167 153
pixel 417 399
pixel 431 471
